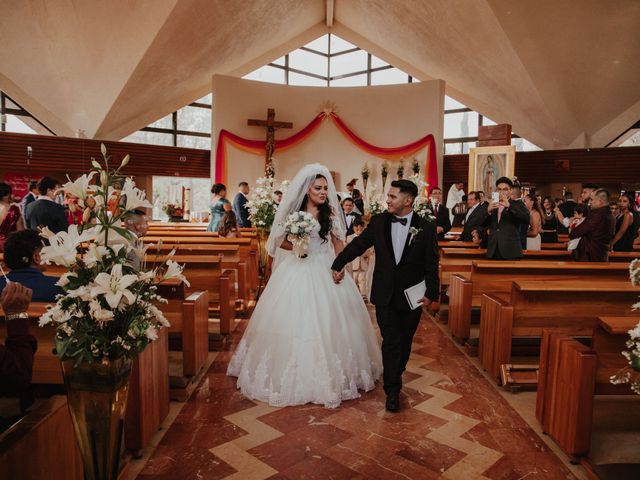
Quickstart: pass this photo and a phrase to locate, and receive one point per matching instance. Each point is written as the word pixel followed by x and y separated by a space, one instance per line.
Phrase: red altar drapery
pixel 257 147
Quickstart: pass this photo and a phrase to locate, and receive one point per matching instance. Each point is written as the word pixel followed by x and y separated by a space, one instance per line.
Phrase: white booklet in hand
pixel 415 293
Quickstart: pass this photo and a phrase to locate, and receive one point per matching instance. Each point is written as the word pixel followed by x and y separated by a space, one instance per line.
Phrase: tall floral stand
pixel 263 259
pixel 97 397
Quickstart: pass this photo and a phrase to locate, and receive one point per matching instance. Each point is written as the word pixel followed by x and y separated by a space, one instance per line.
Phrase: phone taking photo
pixel 495 197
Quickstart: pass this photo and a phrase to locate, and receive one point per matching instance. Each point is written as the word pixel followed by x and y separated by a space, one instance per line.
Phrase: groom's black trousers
pixel 397 328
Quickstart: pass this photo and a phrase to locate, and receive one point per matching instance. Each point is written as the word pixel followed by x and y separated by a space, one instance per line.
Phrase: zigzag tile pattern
pixel 453 425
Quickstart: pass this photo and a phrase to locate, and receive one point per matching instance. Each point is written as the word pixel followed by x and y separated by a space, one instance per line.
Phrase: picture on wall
pixel 487 164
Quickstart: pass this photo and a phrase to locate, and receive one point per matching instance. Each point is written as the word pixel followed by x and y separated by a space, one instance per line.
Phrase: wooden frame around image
pixel 482 176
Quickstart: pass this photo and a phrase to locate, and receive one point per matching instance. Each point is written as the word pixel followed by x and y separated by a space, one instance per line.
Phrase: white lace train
pixel 309 340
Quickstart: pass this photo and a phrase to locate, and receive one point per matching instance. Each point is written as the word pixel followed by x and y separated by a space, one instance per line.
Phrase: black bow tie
pixel 349 214
pixel 403 221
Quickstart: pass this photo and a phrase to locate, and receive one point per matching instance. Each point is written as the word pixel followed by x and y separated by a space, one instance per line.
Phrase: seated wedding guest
pixel 596 231
pixel 443 224
pixel 22 256
pixel 137 224
pixel 360 266
pixel 228 227
pixel 475 216
pixel 503 220
pixel 240 205
pixel 535 223
pixel 550 223
pixel 219 205
pixel 27 199
pixel 45 212
pixel 10 216
pixel 278 195
pixel 350 216
pixel 623 238
pixel 16 355
pixel 479 237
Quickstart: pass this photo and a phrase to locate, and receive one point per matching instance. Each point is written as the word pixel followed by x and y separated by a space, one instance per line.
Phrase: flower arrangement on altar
pixel 415 166
pixel 384 173
pixel 376 202
pixel 298 227
pixel 109 310
pixel 400 170
pixel 262 203
pixel 422 204
pixel 631 373
pixel 365 175
pixel 172 210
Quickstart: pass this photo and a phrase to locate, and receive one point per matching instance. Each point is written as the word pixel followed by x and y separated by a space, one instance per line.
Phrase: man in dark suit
pixel 349 215
pixel 22 256
pixel 597 231
pixel 523 228
pixel 45 212
pixel 406 249
pixel 27 199
pixel 503 219
pixel 240 205
pixel 443 221
pixel 475 217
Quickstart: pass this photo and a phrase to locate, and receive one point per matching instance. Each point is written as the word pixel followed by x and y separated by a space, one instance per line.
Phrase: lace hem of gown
pixel 330 383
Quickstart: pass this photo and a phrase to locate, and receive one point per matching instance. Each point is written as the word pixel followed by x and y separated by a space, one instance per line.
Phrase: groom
pixel 406 248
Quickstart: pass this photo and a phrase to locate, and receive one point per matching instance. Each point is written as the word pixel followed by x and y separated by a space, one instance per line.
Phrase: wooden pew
pixel 496 276
pixel 566 306
pixel 206 274
pixel 248 250
pixel 42 444
pixel 571 374
pixel 189 319
pixel 456 244
pixel 148 403
pixel 231 259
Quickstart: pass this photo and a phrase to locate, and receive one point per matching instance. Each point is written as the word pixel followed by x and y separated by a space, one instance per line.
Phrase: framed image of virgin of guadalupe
pixel 487 164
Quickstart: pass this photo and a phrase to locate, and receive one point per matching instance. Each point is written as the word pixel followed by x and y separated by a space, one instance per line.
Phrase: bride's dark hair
pixel 324 213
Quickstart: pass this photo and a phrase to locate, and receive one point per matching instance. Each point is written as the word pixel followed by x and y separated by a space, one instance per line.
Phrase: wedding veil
pixel 292 202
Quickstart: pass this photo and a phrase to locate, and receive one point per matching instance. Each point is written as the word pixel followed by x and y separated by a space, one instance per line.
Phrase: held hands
pixel 15 298
pixel 337 276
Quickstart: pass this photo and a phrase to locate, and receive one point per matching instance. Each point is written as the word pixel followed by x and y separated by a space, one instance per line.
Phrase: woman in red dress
pixel 10 216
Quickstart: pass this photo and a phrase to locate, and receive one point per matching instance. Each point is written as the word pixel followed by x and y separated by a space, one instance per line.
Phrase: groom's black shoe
pixel 393 402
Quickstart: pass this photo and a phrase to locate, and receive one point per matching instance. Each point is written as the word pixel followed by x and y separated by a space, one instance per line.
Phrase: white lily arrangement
pixel 298 227
pixel 631 373
pixel 376 202
pixel 262 202
pixel 422 205
pixel 110 309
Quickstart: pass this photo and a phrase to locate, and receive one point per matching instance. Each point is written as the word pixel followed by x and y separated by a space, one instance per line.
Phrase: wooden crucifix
pixel 271 125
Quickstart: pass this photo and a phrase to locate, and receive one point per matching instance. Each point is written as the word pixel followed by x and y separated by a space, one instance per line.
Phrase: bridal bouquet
pixel 631 373
pixel 109 308
pixel 298 227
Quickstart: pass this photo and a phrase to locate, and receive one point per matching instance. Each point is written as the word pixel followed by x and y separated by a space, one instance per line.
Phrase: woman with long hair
pixel 309 339
pixel 219 205
pixel 228 227
pixel 10 217
pixel 550 223
pixel 534 240
pixel 623 239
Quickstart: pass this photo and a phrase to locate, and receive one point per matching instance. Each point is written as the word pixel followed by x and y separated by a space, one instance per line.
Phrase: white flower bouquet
pixel 422 205
pixel 109 309
pixel 631 373
pixel 298 227
pixel 262 203
pixel 376 202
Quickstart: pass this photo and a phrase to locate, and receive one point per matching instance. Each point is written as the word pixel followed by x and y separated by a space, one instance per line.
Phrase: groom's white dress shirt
pixel 399 234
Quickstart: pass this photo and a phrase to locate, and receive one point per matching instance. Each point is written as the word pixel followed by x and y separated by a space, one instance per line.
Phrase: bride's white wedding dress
pixel 308 340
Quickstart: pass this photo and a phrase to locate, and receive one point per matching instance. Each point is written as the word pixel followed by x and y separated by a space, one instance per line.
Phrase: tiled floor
pixel 453 425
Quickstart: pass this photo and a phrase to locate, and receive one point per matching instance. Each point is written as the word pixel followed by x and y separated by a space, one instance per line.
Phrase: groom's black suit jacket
pixel 419 260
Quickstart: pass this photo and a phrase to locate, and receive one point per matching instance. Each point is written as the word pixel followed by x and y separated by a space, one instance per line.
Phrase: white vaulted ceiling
pixel 563 73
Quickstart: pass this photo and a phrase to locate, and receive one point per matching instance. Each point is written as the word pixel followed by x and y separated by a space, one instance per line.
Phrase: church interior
pixel 178 125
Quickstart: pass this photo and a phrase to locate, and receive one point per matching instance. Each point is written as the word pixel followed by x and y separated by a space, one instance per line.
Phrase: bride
pixel 309 339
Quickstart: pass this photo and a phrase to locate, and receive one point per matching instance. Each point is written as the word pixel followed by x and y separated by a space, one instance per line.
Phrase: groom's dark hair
pixel 406 186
